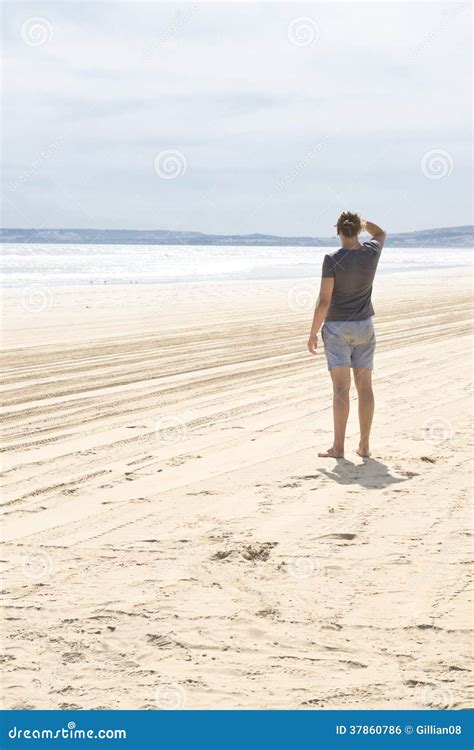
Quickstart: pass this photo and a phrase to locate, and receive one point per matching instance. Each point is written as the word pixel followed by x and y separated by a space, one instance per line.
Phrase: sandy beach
pixel 171 538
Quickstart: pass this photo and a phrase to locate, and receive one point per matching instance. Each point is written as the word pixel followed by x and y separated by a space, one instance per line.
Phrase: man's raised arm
pixel 375 231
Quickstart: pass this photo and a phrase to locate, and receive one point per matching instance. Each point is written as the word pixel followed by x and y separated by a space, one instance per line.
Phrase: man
pixel 345 305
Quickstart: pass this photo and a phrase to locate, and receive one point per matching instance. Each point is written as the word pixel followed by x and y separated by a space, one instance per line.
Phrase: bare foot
pixel 331 453
pixel 363 451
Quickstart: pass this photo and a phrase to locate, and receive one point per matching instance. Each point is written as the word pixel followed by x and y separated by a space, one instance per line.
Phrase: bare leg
pixel 363 383
pixel 341 383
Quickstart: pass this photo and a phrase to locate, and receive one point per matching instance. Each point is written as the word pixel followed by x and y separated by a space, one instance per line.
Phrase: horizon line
pixel 218 234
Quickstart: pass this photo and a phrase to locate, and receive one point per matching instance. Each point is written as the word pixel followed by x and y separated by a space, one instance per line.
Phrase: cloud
pixel 381 84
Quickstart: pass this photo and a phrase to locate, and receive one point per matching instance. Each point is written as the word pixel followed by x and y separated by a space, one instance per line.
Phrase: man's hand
pixel 313 343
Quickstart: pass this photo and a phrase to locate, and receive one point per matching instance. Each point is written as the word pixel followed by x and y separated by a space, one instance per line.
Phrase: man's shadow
pixel 371 474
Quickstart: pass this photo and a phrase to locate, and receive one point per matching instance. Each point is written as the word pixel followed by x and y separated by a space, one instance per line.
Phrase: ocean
pixel 142 264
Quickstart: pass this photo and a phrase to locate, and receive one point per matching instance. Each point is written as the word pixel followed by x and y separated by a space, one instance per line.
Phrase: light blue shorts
pixel 349 343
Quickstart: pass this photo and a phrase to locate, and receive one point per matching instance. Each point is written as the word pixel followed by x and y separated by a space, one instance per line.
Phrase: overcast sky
pixel 273 117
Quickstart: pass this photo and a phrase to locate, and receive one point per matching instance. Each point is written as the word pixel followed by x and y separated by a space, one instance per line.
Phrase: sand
pixel 171 538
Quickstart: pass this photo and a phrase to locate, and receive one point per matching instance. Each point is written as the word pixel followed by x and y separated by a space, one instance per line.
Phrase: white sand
pixel 167 520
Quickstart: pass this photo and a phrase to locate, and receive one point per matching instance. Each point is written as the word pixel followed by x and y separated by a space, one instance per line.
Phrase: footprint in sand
pixel 268 612
pixel 202 492
pixel 252 552
pixel 162 641
pixel 179 460
pixel 258 551
pixel 72 656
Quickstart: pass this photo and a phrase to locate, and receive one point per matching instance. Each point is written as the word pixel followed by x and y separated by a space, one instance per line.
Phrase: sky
pixel 236 117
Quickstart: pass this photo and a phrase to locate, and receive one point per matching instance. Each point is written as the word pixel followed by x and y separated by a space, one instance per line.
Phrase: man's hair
pixel 349 224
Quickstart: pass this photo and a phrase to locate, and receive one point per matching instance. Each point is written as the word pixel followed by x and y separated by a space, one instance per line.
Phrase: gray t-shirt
pixel 353 272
